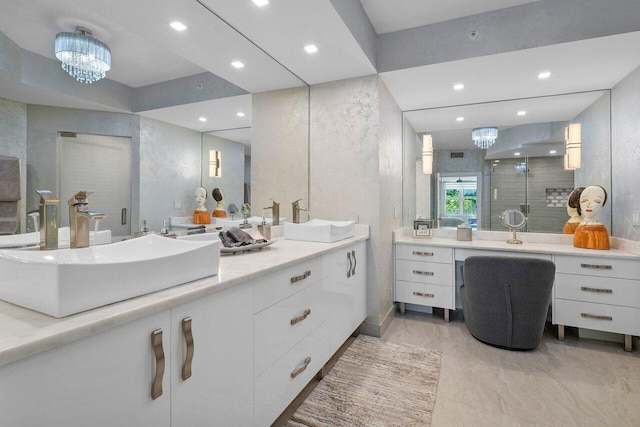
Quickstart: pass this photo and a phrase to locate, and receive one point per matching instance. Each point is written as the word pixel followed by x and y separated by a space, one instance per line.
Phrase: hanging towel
pixel 9 179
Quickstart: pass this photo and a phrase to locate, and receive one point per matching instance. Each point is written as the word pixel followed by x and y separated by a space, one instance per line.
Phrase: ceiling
pixel 270 42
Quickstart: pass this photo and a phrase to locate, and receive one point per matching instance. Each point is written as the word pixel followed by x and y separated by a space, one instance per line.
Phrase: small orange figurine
pixel 201 214
pixel 219 211
pixel 591 233
pixel 573 209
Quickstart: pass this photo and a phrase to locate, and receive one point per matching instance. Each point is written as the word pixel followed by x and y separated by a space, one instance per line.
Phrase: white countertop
pixel 25 332
pixel 561 245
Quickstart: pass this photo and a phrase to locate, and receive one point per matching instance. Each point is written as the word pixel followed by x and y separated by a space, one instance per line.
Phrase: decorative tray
pixel 224 250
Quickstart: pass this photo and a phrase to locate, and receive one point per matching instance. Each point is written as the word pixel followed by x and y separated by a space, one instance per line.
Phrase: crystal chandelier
pixel 484 137
pixel 82 56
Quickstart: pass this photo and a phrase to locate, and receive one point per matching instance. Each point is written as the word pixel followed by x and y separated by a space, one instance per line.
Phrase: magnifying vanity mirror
pixel 514 220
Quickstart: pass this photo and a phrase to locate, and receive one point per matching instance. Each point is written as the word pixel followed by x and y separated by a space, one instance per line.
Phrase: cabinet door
pixel 348 292
pixel 219 391
pixel 103 380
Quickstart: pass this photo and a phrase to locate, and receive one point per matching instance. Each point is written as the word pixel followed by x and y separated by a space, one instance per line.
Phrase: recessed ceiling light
pixel 237 64
pixel 516 154
pixel 552 152
pixel 544 75
pixel 261 3
pixel 522 113
pixel 459 119
pixel 458 86
pixel 497 161
pixel 311 48
pixel 240 114
pixel 203 119
pixel 178 26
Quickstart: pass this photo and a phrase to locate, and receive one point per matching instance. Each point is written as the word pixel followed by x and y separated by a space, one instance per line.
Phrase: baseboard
pixel 375 329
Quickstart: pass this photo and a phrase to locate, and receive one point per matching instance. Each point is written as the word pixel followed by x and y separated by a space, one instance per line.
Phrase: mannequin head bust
pixel 201 197
pixel 592 199
pixel 573 204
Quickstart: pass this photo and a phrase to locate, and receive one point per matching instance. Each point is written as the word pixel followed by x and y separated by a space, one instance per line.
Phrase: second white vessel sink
pixel 67 281
pixel 319 230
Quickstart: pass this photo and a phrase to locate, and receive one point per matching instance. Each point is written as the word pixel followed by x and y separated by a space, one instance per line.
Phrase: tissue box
pixel 463 234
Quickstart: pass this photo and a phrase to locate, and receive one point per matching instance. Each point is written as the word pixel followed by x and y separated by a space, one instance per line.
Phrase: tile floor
pixel 577 382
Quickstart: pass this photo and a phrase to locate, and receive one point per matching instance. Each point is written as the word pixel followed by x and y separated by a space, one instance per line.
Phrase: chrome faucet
pixel 275 212
pixel 296 211
pixel 80 218
pixel 48 212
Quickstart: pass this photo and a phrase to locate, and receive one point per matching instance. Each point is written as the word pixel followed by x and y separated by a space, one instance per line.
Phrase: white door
pixel 102 164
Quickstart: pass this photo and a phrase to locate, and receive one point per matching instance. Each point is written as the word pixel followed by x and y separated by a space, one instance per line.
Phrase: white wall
pixel 625 130
pixel 170 158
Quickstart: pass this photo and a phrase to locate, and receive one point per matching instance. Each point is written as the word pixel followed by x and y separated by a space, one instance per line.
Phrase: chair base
pixel 504 347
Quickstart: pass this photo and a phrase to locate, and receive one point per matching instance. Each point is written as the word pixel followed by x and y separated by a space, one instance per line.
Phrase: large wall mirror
pixel 169 149
pixel 525 167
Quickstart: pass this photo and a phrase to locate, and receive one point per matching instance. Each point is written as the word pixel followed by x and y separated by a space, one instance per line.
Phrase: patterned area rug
pixel 374 383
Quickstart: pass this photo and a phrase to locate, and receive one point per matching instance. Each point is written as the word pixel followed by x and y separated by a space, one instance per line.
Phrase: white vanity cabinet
pixel 348 289
pixel 212 360
pixel 424 275
pixel 102 380
pixel 597 293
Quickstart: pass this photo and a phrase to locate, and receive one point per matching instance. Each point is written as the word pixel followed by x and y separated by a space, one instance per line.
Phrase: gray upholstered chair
pixel 505 299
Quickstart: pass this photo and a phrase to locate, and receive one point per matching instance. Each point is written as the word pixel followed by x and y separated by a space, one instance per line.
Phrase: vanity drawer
pixel 600 317
pixel 276 387
pixel 278 286
pixel 598 266
pixel 283 325
pixel 425 294
pixel 598 290
pixel 424 253
pixel 424 272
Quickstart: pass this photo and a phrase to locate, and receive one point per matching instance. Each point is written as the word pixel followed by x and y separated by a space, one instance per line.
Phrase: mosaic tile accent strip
pixel 557 197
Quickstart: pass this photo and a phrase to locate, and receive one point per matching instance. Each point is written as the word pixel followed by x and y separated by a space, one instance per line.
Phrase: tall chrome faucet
pixel 48 212
pixel 296 211
pixel 80 218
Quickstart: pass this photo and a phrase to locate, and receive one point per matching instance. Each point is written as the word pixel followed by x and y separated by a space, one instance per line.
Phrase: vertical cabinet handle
pixel 355 262
pixel 158 350
pixel 188 338
pixel 123 217
pixel 350 264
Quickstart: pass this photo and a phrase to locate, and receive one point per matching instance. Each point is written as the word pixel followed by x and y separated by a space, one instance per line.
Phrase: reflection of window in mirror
pixel 214 163
pixel 459 201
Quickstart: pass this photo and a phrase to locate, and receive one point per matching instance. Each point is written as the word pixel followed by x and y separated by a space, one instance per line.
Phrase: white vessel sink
pixel 319 230
pixel 201 237
pixel 257 220
pixel 67 281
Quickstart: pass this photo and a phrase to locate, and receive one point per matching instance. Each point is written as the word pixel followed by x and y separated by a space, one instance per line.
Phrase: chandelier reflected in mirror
pixel 83 57
pixel 484 137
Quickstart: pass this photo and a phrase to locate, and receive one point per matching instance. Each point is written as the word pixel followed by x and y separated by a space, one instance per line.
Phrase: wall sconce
pixel 573 138
pixel 427 154
pixel 214 163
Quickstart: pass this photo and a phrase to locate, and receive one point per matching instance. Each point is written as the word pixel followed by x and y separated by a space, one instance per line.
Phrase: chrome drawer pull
pixel 599 267
pixel 420 294
pixel 350 264
pixel 156 342
pixel 604 291
pixel 303 276
pixel 299 319
pixel 188 338
pixel 593 316
pixel 302 368
pixel 422 253
pixel 423 273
